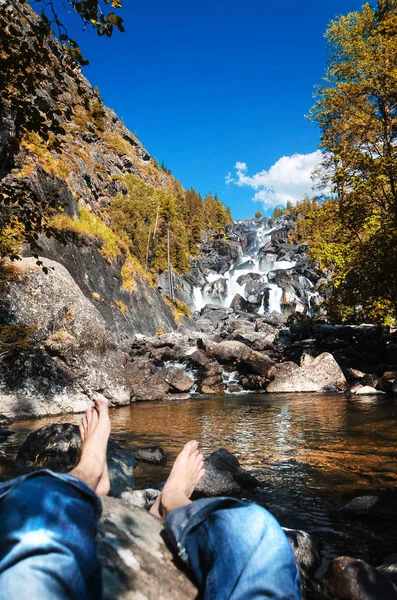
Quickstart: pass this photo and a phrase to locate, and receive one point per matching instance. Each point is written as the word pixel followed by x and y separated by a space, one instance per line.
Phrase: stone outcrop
pixel 58 447
pixel 315 375
pixel 64 351
pixel 136 562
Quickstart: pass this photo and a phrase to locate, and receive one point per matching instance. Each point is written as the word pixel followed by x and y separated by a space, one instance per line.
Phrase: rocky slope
pixel 63 334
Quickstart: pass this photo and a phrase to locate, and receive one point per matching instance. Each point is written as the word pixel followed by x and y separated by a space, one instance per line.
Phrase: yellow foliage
pixel 116 141
pixel 123 308
pixel 90 225
pixel 96 296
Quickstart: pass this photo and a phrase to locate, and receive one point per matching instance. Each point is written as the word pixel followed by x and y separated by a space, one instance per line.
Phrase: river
pixel 311 452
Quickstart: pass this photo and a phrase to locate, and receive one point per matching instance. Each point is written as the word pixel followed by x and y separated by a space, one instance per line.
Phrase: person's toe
pixel 94 417
pixel 191 446
pixel 88 416
pixel 101 406
pixel 82 431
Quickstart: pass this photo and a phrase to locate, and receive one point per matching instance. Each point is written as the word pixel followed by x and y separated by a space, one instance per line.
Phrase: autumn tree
pixel 356 110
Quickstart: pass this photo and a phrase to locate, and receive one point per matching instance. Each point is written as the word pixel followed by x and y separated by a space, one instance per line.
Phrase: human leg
pixel 48 524
pixel 236 550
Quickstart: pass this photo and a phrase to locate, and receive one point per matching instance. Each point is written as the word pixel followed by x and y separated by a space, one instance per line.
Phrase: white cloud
pixel 289 179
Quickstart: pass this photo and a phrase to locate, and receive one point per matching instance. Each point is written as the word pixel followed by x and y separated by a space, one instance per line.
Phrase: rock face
pixel 316 375
pixel 58 447
pixel 67 353
pixel 349 578
pixel 136 562
pixel 57 369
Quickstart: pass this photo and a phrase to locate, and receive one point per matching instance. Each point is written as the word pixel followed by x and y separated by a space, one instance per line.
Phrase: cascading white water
pixel 249 262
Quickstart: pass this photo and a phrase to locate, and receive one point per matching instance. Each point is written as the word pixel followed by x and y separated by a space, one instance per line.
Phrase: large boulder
pixel 306 554
pixel 175 378
pixel 224 476
pixel 241 355
pixel 317 375
pixel 349 578
pixel 58 447
pixel 257 340
pixel 57 350
pixel 136 561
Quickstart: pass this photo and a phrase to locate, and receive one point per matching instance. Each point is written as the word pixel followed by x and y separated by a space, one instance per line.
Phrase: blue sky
pixel 208 86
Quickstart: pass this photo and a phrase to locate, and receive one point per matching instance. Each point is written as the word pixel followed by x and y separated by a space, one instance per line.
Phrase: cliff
pixel 64 334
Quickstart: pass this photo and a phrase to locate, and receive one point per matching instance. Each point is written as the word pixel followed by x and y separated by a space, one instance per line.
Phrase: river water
pixel 311 452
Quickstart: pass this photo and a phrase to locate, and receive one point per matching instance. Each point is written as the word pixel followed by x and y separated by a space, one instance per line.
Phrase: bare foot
pixel 187 471
pixel 94 431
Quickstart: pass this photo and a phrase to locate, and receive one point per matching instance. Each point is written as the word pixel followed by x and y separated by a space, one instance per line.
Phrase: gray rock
pixel 175 378
pixel 144 391
pixel 198 358
pixel 68 352
pixel 140 498
pixel 321 374
pixel 362 390
pixel 306 553
pixel 257 340
pixel 239 304
pixel 136 562
pixel 362 505
pixel 216 482
pixel 151 454
pixel 58 447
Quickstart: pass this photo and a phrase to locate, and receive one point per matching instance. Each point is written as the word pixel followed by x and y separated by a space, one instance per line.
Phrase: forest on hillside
pixel 353 233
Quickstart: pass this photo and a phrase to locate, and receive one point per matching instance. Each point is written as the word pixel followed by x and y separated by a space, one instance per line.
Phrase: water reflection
pixel 354 441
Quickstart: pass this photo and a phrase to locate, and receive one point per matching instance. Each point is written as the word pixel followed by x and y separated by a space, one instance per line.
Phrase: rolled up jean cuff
pixel 181 521
pixel 7 486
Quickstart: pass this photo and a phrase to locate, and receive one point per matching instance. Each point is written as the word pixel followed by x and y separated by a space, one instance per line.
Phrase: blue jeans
pixel 48 525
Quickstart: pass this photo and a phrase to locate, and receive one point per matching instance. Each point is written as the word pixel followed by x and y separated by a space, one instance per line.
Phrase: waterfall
pixel 250 262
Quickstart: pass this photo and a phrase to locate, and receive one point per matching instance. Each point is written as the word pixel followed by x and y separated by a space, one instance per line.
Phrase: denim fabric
pixel 47 538
pixel 237 551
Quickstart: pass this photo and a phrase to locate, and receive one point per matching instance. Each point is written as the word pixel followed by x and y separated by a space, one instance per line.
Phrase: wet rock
pixel 136 562
pixel 362 505
pixel 242 356
pixel 58 447
pixel 198 358
pixel 349 578
pixel 306 554
pixel 216 289
pixel 216 482
pixel 317 374
pixel 362 390
pixel 211 389
pixel 151 454
pixel 243 279
pixel 253 382
pixel 240 304
pixel 140 498
pixel 389 568
pixel 175 378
